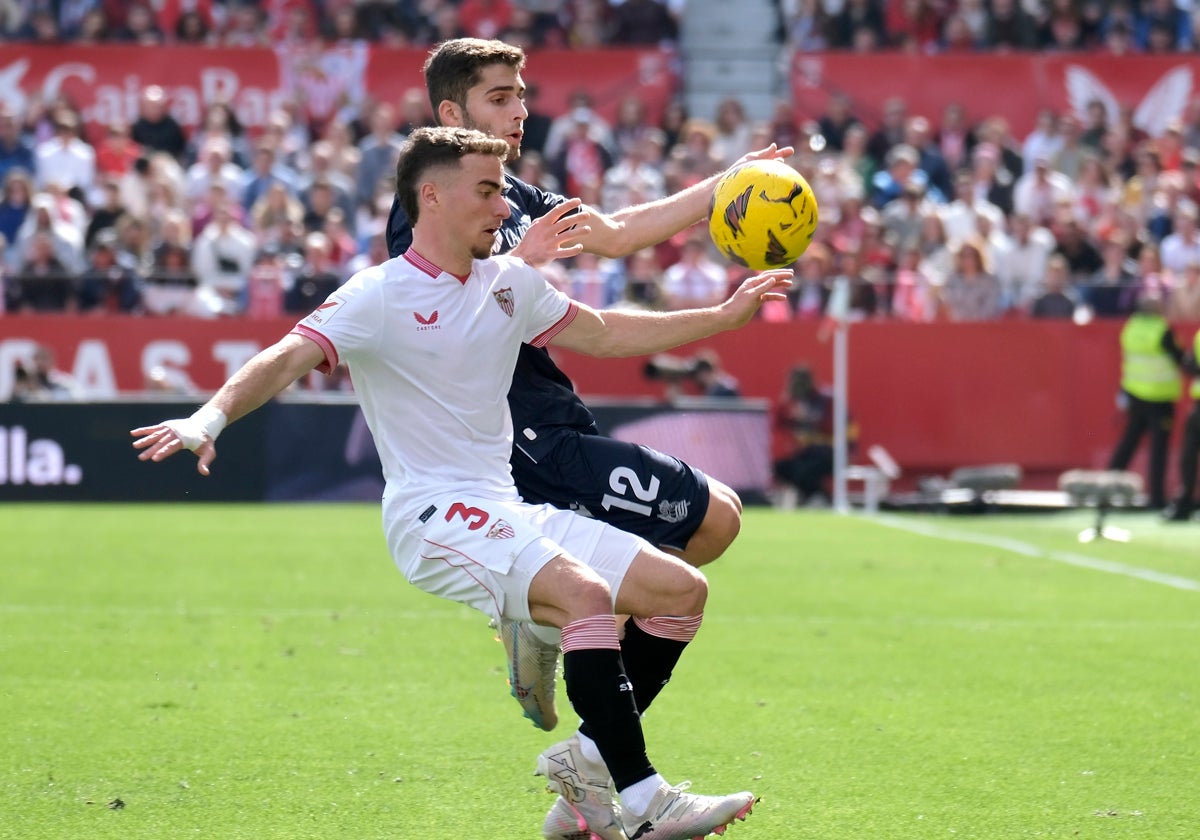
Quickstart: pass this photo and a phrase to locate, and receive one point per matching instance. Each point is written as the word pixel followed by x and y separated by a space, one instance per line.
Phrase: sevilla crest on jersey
pixel 504 297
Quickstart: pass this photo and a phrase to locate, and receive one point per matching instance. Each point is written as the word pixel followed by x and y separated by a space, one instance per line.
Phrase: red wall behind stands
pixel 1015 87
pixel 1040 394
pixel 104 81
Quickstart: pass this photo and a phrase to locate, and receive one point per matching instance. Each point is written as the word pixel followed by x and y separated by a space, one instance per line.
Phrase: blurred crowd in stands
pixel 240 23
pixel 926 216
pixel 1119 26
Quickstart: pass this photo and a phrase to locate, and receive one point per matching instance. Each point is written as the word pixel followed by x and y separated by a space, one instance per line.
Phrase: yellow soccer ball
pixel 763 215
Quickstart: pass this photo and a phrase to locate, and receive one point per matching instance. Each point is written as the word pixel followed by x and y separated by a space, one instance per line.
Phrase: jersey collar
pixel 429 268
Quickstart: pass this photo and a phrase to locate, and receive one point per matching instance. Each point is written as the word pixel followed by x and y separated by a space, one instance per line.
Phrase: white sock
pixel 636 798
pixel 590 751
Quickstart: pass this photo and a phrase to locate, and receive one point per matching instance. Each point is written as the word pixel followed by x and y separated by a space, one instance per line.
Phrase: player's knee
pixel 721 525
pixel 694 597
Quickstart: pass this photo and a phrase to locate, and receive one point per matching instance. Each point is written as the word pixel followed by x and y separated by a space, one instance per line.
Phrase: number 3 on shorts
pixel 474 517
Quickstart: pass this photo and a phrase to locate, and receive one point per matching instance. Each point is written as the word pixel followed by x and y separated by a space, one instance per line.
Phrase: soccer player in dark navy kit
pixel 559 457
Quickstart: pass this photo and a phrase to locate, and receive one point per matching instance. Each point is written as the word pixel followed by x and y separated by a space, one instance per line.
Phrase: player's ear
pixel 427 193
pixel 450 113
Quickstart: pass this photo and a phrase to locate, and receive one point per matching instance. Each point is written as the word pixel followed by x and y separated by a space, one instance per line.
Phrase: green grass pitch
pixel 219 671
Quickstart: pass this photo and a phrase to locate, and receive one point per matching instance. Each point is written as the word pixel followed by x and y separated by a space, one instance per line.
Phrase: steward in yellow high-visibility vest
pixel 1184 506
pixel 1151 384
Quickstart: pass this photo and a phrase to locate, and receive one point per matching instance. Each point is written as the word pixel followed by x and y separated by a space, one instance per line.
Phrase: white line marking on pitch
pixel 1029 550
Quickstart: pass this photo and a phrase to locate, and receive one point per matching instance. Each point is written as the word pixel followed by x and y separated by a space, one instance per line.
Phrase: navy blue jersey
pixel 541 395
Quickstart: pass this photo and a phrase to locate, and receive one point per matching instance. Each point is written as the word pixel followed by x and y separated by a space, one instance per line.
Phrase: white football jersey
pixel 432 358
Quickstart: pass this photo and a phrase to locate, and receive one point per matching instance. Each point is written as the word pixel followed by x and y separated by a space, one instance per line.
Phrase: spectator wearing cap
pixel 65 158
pixel 903 217
pixel 155 128
pixel 109 285
pixel 902 168
pixel 15 151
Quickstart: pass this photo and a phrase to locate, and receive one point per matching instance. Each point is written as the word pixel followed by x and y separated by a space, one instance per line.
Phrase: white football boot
pixel 584 791
pixel 676 815
pixel 532 671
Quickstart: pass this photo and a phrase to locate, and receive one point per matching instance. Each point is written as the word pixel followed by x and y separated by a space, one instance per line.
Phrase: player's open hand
pixel 771 152
pixel 754 292
pixel 555 235
pixel 165 439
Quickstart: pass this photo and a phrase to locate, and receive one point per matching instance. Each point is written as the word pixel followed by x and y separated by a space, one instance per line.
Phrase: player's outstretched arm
pixel 556 235
pixel 257 381
pixel 623 332
pixel 627 231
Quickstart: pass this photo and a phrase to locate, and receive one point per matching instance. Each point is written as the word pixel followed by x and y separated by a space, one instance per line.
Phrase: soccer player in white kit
pixel 431 339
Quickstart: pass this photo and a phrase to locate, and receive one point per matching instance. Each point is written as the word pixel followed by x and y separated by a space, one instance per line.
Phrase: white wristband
pixel 205 424
pixel 211 419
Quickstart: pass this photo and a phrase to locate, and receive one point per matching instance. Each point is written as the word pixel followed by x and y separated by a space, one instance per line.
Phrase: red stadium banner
pixel 1157 88
pixel 104 81
pixel 1037 393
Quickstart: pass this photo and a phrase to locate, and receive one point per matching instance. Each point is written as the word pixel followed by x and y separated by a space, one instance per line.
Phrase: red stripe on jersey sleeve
pixel 331 355
pixel 544 338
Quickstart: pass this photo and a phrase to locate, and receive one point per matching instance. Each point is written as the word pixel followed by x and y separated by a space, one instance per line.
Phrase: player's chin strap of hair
pixel 208 422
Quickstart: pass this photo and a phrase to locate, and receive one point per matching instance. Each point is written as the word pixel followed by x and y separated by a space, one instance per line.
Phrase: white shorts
pixel 484 553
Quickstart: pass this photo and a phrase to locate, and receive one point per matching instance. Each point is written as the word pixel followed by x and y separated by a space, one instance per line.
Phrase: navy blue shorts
pixel 635 488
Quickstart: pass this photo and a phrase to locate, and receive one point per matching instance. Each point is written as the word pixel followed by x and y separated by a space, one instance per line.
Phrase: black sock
pixel 601 695
pixel 649 661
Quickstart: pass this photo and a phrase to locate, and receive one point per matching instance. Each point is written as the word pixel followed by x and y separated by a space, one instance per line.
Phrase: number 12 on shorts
pixel 624 481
